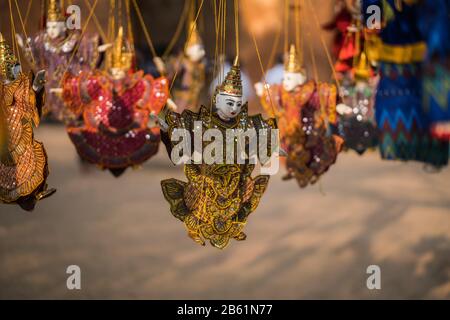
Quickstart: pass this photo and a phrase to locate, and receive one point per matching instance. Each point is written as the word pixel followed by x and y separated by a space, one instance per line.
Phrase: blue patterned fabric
pixel 404 126
pixel 434 24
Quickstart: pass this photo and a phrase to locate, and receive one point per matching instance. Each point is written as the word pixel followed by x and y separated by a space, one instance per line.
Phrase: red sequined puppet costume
pixel 304 110
pixel 23 160
pixel 115 107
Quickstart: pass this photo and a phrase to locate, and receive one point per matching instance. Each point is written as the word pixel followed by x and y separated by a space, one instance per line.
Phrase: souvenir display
pixel 404 127
pixel 304 110
pixel 57 50
pixel 115 107
pixel 23 160
pixel 217 199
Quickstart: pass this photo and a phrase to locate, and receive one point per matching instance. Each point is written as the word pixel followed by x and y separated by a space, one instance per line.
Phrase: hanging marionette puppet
pixel 115 107
pixel 23 161
pixel 356 112
pixel 343 25
pixel 215 202
pixel 404 127
pixel 57 50
pixel 303 109
pixel 189 70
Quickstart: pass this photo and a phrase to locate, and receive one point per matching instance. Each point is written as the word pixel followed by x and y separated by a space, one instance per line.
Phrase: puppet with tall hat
pixel 58 49
pixel 217 199
pixel 188 71
pixel 114 109
pixel 305 110
pixel 23 160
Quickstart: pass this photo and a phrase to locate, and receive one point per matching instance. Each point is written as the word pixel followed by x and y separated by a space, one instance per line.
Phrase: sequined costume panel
pixel 113 132
pixel 359 128
pixel 23 163
pixel 215 202
pixel 304 115
pixel 55 55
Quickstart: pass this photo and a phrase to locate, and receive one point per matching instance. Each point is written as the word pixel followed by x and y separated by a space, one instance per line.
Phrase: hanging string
pixel 224 40
pixel 178 30
pixel 15 45
pixel 274 49
pixel 236 26
pixel 83 31
pixel 24 31
pixel 191 13
pixel 96 21
pixel 297 25
pixel 357 44
pixel 42 20
pixel 311 55
pixel 323 109
pixel 27 13
pixel 144 28
pixel 187 41
pixel 330 60
pixel 119 13
pixel 217 12
pixel 11 22
pixel 266 87
pixel 129 27
pixel 286 25
pixel 111 22
pixel 298 30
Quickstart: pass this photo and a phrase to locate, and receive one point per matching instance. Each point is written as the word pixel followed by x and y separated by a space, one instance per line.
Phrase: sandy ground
pixel 312 243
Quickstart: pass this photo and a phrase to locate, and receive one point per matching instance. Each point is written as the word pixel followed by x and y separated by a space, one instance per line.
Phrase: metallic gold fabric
pixel 217 199
pixel 23 165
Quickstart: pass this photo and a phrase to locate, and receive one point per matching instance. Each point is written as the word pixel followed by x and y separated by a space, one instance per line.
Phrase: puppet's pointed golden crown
pixel 119 58
pixel 293 63
pixel 193 36
pixel 54 11
pixel 232 84
pixel 362 69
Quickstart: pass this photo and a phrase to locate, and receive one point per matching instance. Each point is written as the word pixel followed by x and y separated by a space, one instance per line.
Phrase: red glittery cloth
pixel 343 47
pixel 115 114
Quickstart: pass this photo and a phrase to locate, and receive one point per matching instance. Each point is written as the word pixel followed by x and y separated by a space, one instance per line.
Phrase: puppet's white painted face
pixel 292 80
pixel 228 106
pixel 195 53
pixel 55 29
pixel 117 73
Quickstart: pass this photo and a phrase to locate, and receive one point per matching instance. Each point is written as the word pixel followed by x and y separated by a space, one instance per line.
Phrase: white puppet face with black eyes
pixel 292 80
pixel 195 53
pixel 228 106
pixel 55 29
